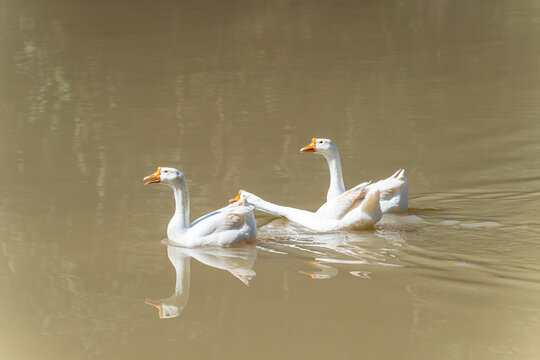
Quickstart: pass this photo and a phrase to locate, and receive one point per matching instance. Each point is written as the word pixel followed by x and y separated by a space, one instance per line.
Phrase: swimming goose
pixel 355 209
pixel 396 201
pixel 227 226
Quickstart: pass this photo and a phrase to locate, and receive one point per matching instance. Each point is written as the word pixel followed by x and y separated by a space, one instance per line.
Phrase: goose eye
pixel 320 142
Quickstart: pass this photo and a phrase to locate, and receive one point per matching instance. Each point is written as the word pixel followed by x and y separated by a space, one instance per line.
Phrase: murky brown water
pixel 95 95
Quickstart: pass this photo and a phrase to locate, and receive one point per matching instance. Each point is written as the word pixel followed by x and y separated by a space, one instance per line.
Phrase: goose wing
pixel 343 203
pixel 228 218
pixel 390 186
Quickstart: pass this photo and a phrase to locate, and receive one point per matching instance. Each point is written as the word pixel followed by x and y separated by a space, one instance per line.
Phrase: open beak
pixel 310 147
pixel 232 201
pixel 157 304
pixel 154 177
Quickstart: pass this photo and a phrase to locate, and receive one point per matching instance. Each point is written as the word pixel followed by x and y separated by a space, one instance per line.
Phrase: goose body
pixel 231 225
pixel 396 200
pixel 355 209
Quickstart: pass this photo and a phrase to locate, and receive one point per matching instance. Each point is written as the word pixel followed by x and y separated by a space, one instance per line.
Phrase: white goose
pixel 391 201
pixel 231 225
pixel 355 209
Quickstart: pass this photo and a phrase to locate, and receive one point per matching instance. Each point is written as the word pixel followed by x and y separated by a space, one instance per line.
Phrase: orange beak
pixel 157 304
pixel 154 177
pixel 310 147
pixel 232 201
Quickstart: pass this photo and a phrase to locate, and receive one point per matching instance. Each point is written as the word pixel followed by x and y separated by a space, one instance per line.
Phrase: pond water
pixel 94 95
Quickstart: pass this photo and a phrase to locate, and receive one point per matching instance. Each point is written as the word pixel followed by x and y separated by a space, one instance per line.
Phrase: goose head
pixel 166 175
pixel 245 198
pixel 239 199
pixel 320 146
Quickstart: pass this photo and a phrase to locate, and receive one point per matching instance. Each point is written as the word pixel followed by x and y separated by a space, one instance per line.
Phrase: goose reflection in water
pixel 238 261
pixel 359 252
pixel 325 271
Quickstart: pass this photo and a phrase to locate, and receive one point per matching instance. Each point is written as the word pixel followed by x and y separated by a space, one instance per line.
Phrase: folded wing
pixel 342 204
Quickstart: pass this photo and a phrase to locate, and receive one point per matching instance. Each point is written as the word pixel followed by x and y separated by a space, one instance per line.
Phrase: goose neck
pixel 180 221
pixel 336 175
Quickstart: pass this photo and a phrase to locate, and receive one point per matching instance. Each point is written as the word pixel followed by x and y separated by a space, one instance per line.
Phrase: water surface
pixel 95 95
